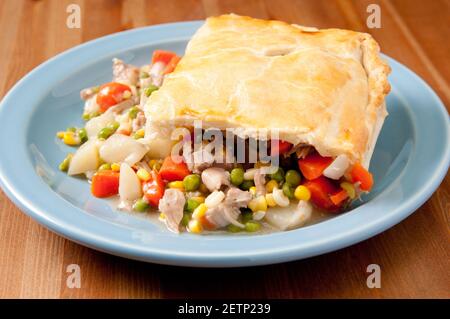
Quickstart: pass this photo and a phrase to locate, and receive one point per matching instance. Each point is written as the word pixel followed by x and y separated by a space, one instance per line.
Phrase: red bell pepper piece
pixel 360 174
pixel 153 189
pixel 170 67
pixel 313 165
pixel 279 147
pixel 105 183
pixel 321 189
pixel 174 169
pixel 111 94
pixel 170 59
pixel 162 56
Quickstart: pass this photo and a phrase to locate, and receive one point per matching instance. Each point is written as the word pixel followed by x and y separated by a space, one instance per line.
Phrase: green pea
pixel 90 116
pixel 186 218
pixel 113 126
pixel 233 228
pixel 293 178
pixel 94 114
pixel 71 129
pixel 237 176
pixel 149 90
pixel 64 166
pixel 82 134
pixel 191 205
pixel 141 205
pixel 191 182
pixel 104 167
pixel 246 216
pixel 105 133
pixel 133 112
pixel 246 185
pixel 252 226
pixel 278 175
pixel 144 75
pixel 288 190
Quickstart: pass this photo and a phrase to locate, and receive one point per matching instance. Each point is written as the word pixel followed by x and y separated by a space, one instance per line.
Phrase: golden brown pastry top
pixel 325 87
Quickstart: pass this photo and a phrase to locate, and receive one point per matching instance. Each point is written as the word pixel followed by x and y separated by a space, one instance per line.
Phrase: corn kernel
pixel 252 190
pixel 155 164
pixel 139 134
pixel 152 163
pixel 195 226
pixel 199 199
pixel 200 211
pixel 71 139
pixel 350 189
pixel 60 134
pixel 115 167
pixel 271 185
pixel 270 201
pixel 126 95
pixel 302 193
pixel 258 203
pixel 143 174
pixel 162 216
pixel 203 188
pixel 176 185
pixel 261 164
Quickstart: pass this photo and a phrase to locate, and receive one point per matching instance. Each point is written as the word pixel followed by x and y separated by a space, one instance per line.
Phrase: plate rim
pixel 270 256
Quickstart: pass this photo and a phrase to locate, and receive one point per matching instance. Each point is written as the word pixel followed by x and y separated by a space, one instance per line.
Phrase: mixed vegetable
pixel 114 156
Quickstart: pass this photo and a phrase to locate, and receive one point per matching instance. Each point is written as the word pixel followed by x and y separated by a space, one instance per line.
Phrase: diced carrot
pixel 105 183
pixel 321 188
pixel 339 197
pixel 123 132
pixel 170 67
pixel 163 56
pixel 174 169
pixel 278 147
pixel 153 189
pixel 111 94
pixel 313 165
pixel 360 174
pixel 206 223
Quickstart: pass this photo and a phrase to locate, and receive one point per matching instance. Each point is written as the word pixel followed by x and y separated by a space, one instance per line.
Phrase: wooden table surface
pixel 413 256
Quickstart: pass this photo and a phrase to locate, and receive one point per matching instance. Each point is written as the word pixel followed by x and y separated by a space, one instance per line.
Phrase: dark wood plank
pixel 413 255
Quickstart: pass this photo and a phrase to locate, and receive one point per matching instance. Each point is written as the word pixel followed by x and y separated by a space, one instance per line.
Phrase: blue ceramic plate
pixel 410 160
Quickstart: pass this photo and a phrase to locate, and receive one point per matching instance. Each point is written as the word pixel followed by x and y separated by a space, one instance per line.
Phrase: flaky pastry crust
pixel 325 88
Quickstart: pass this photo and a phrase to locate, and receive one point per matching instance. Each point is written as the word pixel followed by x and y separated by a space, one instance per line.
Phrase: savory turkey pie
pixel 316 95
pixel 321 91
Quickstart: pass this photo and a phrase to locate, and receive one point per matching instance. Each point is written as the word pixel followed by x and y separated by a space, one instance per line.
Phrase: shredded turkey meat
pixel 227 212
pixel 87 93
pixel 172 206
pixel 223 215
pixel 201 160
pixel 237 198
pixel 215 177
pixel 303 150
pixel 138 122
pixel 260 182
pixel 125 73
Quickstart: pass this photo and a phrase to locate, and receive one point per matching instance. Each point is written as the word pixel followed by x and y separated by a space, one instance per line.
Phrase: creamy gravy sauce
pixel 153 215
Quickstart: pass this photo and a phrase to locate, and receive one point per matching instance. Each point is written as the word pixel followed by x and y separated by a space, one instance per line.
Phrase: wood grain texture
pixel 414 256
